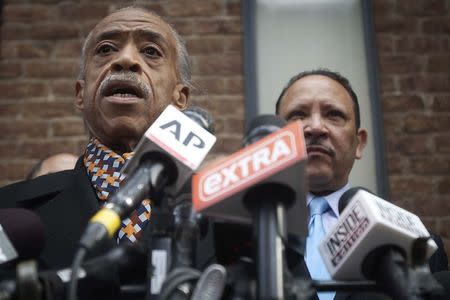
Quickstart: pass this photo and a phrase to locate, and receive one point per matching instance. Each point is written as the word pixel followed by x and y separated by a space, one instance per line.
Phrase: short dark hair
pixel 332 75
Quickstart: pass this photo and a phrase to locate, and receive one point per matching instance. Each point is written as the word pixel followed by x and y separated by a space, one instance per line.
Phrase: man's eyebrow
pixel 109 35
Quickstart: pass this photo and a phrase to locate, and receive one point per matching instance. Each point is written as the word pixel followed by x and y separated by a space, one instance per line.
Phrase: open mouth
pixel 121 89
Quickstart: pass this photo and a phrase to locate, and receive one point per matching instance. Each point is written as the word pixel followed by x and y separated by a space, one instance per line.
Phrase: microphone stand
pixel 268 203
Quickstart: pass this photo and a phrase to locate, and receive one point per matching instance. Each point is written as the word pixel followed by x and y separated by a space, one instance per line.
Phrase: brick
pixel 445 230
pixel 233 44
pixel 45 110
pixel 10 110
pixel 183 27
pixel 63 88
pixel 55 69
pixel 443 185
pixel 68 128
pixel 205 45
pixel 15 31
pixel 10 69
pixel 195 8
pixel 24 129
pixel 34 49
pixel 442 142
pixel 16 89
pixel 399 64
pixel 395 24
pixel 410 144
pixel 8 148
pixel 419 123
pixel 425 205
pixel 15 170
pixel 227 144
pixel 27 13
pixel 385 43
pixel 436 25
pixel 438 64
pixel 54 31
pixel 430 165
pixel 383 7
pixel 45 147
pixel 229 107
pixel 429 83
pixel 397 164
pixel 209 65
pixel 407 186
pixel 210 85
pixel 418 44
pixel 234 86
pixel 422 7
pixel 441 103
pixel 234 125
pixel 218 26
pixel 402 103
pixel 8 49
pixel 442 123
pixel 387 83
pixel 233 8
pixel 393 125
pixel 68 48
pixel 81 12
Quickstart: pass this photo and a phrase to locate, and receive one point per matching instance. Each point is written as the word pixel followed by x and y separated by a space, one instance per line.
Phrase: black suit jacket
pixel 65 201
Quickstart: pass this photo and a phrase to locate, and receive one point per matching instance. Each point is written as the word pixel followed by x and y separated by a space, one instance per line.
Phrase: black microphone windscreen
pixel 443 277
pixel 201 116
pixel 262 126
pixel 348 195
pixel 25 230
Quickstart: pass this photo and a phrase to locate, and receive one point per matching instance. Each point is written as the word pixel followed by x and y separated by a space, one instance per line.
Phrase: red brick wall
pixel 40 48
pixel 414 57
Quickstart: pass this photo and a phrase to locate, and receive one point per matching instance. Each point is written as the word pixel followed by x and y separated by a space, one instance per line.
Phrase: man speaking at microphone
pixel 328 107
pixel 133 64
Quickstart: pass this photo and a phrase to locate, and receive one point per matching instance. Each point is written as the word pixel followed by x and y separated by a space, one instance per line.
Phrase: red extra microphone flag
pixel 278 158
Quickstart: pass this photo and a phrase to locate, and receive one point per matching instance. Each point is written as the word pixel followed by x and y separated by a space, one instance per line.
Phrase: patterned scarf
pixel 103 167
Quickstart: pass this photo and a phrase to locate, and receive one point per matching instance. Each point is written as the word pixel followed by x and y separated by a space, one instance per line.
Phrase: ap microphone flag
pixel 369 222
pixel 278 158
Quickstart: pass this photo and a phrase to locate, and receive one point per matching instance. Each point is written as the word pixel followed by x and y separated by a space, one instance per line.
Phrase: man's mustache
pixel 129 78
pixel 317 142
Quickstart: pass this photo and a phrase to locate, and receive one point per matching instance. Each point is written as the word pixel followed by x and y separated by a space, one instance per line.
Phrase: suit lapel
pixel 66 216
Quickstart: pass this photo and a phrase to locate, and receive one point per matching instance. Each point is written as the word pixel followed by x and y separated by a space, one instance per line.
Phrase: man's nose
pixel 314 126
pixel 127 60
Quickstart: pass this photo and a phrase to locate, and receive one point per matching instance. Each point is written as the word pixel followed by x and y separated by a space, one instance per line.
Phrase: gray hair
pixel 184 65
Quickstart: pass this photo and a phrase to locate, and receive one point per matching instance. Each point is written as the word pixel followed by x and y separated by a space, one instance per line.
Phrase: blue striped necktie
pixel 314 261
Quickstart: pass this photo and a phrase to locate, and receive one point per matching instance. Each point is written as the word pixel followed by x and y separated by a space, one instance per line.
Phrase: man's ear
pixel 361 137
pixel 79 90
pixel 181 96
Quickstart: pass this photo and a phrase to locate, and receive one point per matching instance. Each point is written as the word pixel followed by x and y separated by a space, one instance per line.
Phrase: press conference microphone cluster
pixel 167 155
pixel 99 278
pixel 374 239
pixel 263 184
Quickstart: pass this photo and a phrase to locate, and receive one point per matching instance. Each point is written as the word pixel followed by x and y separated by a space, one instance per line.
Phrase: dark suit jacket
pixel 65 201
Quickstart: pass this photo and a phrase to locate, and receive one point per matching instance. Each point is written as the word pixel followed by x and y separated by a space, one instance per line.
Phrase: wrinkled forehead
pixel 133 20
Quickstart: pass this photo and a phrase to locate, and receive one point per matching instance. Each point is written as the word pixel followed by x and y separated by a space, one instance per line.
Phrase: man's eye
pixel 336 114
pixel 298 115
pixel 105 49
pixel 151 52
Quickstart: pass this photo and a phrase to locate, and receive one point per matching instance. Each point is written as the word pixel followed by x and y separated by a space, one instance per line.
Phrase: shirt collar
pixel 332 199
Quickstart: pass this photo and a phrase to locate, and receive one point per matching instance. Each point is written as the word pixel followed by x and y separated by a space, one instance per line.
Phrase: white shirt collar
pixel 332 199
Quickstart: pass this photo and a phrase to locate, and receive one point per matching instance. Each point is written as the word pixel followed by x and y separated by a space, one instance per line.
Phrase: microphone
pixel 277 159
pixel 99 278
pixel 22 235
pixel 367 223
pixel 167 155
pixel 383 241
